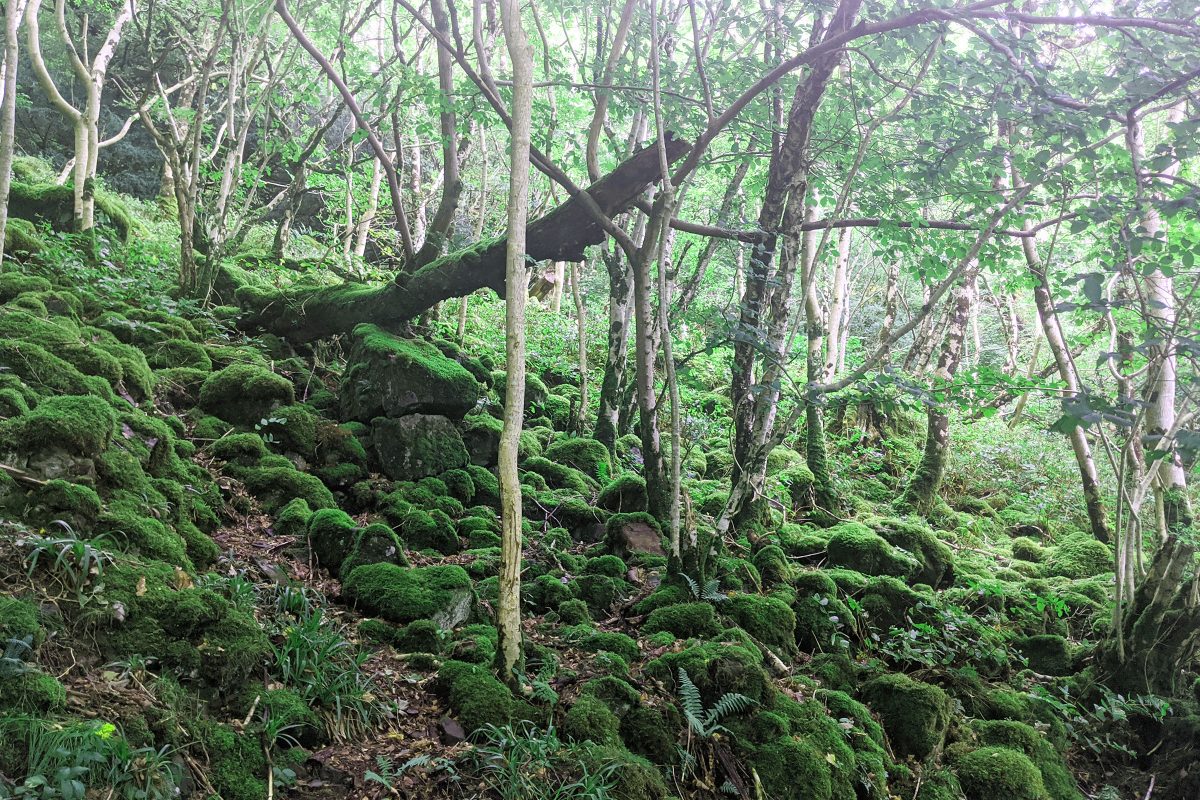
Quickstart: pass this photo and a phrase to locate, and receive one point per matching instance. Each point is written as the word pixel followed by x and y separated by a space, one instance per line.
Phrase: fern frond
pixel 712 592
pixel 695 587
pixel 730 703
pixel 693 706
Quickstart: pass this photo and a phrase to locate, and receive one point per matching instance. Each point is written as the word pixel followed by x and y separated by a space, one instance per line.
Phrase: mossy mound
pixel 999 772
pixel 1079 555
pixel 82 425
pixel 477 698
pixel 854 545
pixel 915 715
pixel 388 376
pixel 245 394
pixel 586 455
pixel 442 593
pixel 686 620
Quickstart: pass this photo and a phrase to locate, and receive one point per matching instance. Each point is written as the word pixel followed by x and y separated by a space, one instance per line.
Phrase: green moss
pixel 768 619
pixel 73 503
pixel 428 531
pixel 278 485
pixel 440 593
pixel 546 592
pixel 627 492
pixel 590 720
pixel 634 778
pixel 1059 783
pixel 419 636
pixel 716 667
pixel 405 363
pixel 1027 549
pixel 178 353
pixel 180 385
pixel 609 565
pixel 128 523
pixel 21 237
pixel 293 518
pixel 1079 555
pixel 918 539
pixel 792 769
pixel 19 620
pixel 998 772
pixel 686 620
pixel 81 424
pixel 773 565
pixel 619 643
pixel 574 612
pixel 888 601
pixel 330 535
pixel 237 767
pixel 915 715
pixel 600 592
pixel 1047 654
pixel 459 484
pixel 245 394
pixel 295 428
pixel 32 692
pixel 374 544
pixel 586 455
pixel 560 476
pixel 477 698
pixel 243 448
pixel 854 545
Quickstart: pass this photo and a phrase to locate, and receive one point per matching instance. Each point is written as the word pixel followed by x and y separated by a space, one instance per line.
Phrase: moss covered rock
pixel 442 593
pixel 586 455
pixel 477 698
pixel 999 772
pixel 915 715
pixel 418 445
pixel 686 620
pixel 1079 555
pixel 245 394
pixel 388 376
pixel 854 545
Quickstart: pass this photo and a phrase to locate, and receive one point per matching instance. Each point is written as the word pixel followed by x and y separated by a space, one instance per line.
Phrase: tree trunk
pixel 579 423
pixel 562 234
pixel 508 616
pixel 921 494
pixel 8 108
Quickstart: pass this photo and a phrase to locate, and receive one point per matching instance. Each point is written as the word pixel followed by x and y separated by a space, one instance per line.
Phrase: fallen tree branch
pixel 561 235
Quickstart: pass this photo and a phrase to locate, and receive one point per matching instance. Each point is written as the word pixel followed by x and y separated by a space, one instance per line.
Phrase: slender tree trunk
pixel 921 494
pixel 13 10
pixel 579 424
pixel 509 651
pixel 838 305
pixel 364 225
pixel 620 307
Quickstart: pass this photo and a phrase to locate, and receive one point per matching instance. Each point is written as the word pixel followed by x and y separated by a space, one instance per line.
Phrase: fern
pixel 710 592
pixel 705 723
pixel 12 663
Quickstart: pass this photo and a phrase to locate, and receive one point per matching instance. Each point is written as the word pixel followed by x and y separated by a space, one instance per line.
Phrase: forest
pixel 600 399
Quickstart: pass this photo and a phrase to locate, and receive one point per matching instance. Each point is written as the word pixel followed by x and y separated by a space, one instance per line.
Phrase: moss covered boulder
pixel 442 593
pixel 244 393
pixel 999 772
pixel 854 545
pixel 389 376
pixel 914 714
pixel 417 446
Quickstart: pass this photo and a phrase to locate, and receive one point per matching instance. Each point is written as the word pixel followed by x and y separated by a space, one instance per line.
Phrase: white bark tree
pixel 86 119
pixel 516 278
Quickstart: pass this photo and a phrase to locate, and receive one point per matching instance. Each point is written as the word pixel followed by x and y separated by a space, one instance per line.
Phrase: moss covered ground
pixel 199 547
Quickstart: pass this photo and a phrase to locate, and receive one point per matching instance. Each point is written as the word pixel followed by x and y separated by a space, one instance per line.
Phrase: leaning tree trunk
pixel 921 494
pixel 563 234
pixel 508 616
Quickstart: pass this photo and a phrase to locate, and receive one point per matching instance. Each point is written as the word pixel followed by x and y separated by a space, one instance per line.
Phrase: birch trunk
pixel 516 277
pixel 8 108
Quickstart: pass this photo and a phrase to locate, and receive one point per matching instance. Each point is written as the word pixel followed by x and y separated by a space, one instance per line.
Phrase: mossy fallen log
pixel 561 235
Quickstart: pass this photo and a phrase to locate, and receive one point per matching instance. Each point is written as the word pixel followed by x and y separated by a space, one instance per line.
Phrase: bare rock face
pixel 418 445
pixel 389 376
